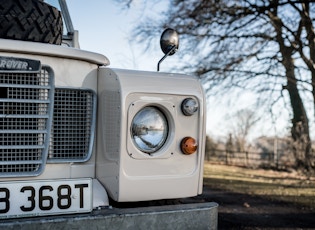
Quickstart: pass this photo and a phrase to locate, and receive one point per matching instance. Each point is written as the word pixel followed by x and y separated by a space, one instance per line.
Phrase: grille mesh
pixel 73 121
pixel 25 107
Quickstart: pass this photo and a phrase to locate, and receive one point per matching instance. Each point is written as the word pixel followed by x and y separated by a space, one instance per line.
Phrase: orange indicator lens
pixel 188 145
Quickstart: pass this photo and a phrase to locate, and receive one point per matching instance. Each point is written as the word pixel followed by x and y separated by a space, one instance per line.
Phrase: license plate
pixel 46 197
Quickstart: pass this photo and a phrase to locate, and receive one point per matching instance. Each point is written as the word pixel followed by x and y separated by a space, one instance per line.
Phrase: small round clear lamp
pixel 189 106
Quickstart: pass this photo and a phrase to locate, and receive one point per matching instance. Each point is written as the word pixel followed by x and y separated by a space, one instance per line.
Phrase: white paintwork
pixel 36 48
pixel 127 173
pixel 72 68
pixel 130 175
pixel 100 198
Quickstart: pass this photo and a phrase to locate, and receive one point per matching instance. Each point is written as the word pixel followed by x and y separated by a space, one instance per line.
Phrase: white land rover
pixel 73 131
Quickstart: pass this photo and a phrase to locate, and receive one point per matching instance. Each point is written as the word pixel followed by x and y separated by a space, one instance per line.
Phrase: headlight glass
pixel 149 129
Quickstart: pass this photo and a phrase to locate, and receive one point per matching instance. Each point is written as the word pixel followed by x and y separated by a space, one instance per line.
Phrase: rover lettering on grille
pixel 19 64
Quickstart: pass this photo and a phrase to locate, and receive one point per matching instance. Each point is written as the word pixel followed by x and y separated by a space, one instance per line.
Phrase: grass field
pixel 283 186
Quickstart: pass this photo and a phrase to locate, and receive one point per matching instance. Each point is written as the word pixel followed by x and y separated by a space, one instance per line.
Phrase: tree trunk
pixel 310 60
pixel 300 129
pixel 302 148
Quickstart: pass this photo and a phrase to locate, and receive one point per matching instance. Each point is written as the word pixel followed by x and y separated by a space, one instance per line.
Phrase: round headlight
pixel 149 129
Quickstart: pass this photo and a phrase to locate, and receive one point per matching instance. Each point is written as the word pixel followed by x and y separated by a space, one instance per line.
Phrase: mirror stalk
pixel 172 50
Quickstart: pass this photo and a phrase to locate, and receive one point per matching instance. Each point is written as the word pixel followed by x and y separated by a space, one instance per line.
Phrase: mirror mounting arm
pixel 172 50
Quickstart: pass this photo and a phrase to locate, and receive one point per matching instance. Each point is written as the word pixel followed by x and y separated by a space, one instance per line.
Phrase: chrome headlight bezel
pixel 167 146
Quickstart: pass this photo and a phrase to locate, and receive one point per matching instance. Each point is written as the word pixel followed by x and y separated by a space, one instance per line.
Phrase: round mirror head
pixel 169 39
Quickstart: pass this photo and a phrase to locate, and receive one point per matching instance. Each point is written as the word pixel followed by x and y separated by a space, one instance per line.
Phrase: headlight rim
pixel 165 135
pixel 170 110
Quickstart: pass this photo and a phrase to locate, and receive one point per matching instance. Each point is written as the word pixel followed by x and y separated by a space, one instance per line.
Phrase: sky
pixel 105 26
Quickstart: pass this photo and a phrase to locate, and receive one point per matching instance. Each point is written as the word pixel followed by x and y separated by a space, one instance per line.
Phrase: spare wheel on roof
pixel 30 20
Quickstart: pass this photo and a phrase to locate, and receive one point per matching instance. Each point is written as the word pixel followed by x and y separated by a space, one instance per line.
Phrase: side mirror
pixel 169 44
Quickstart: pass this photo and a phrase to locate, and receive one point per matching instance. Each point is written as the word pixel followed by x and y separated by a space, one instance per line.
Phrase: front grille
pixel 72 132
pixel 25 118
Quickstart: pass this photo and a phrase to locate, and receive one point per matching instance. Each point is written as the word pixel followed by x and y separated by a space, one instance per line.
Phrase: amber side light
pixel 188 145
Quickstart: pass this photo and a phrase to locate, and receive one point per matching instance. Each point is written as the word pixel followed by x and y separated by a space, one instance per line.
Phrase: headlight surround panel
pixel 162 144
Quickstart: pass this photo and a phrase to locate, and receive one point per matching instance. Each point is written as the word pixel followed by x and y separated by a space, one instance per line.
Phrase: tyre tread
pixel 30 20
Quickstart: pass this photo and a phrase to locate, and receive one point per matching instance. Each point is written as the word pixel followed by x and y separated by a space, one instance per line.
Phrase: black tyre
pixel 30 20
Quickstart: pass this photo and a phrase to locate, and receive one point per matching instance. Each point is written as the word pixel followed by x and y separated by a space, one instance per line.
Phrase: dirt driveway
pixel 241 211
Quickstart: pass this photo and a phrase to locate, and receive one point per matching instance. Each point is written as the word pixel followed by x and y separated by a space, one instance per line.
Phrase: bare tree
pixel 265 46
pixel 245 119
